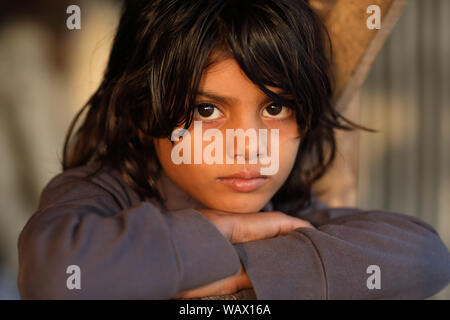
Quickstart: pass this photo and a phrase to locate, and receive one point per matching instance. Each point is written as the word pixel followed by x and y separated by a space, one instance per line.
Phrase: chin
pixel 240 203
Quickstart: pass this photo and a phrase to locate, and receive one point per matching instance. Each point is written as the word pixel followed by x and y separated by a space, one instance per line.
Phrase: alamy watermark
pixel 374 280
pixel 74 280
pixel 374 20
pixel 73 21
pixel 213 152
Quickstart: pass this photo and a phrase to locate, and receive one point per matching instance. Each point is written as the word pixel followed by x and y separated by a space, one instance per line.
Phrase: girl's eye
pixel 207 111
pixel 277 111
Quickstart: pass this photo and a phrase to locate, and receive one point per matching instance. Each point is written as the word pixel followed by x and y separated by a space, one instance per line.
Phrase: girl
pixel 125 220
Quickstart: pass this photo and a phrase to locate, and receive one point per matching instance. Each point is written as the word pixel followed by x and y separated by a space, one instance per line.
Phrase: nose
pixel 243 138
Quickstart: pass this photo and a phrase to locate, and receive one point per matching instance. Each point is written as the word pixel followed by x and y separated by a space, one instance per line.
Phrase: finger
pixel 256 226
pixel 264 225
pixel 220 287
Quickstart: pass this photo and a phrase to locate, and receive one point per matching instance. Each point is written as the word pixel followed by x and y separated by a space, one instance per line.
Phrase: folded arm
pixel 332 261
pixel 135 253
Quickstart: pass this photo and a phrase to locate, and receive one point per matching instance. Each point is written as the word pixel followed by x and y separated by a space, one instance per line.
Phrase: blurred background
pixel 48 73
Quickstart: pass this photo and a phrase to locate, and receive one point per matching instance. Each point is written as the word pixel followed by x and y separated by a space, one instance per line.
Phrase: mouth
pixel 244 181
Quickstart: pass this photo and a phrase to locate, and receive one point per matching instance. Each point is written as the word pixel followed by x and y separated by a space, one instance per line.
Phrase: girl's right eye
pixel 207 111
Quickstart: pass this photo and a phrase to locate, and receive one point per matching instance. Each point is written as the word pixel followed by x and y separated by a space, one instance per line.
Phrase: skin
pixel 236 213
pixel 246 108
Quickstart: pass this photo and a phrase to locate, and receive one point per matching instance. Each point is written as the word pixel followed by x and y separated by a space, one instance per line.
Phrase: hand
pixel 224 286
pixel 245 227
pixel 238 228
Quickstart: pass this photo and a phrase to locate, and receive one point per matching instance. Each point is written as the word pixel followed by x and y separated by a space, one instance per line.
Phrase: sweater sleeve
pixel 139 252
pixel 335 261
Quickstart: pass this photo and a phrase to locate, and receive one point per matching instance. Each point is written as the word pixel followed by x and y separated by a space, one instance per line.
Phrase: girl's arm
pixel 133 253
pixel 333 261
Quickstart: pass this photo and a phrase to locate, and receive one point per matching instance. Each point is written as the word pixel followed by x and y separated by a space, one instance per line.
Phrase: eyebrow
pixel 225 99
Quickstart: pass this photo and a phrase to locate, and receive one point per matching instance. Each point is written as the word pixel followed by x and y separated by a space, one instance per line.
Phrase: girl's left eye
pixel 206 111
pixel 277 111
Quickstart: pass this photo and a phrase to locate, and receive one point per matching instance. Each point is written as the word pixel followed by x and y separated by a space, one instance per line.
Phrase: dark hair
pixel 159 53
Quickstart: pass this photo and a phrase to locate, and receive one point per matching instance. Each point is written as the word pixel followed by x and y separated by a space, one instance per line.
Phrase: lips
pixel 244 181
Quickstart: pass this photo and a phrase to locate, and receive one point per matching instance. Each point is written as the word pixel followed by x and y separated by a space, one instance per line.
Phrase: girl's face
pixel 229 100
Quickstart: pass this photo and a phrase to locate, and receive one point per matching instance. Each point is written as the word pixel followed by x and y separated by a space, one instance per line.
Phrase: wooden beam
pixel 338 187
pixel 355 47
pixel 323 7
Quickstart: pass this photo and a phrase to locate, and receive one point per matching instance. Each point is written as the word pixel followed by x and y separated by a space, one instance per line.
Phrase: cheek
pixel 289 142
pixel 164 150
pixel 189 176
pixel 288 154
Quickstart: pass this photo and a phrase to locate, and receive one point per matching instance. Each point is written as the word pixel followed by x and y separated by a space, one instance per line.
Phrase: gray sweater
pixel 130 248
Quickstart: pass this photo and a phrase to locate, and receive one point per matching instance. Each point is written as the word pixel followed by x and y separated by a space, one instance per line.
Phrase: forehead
pixel 223 69
pixel 225 75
